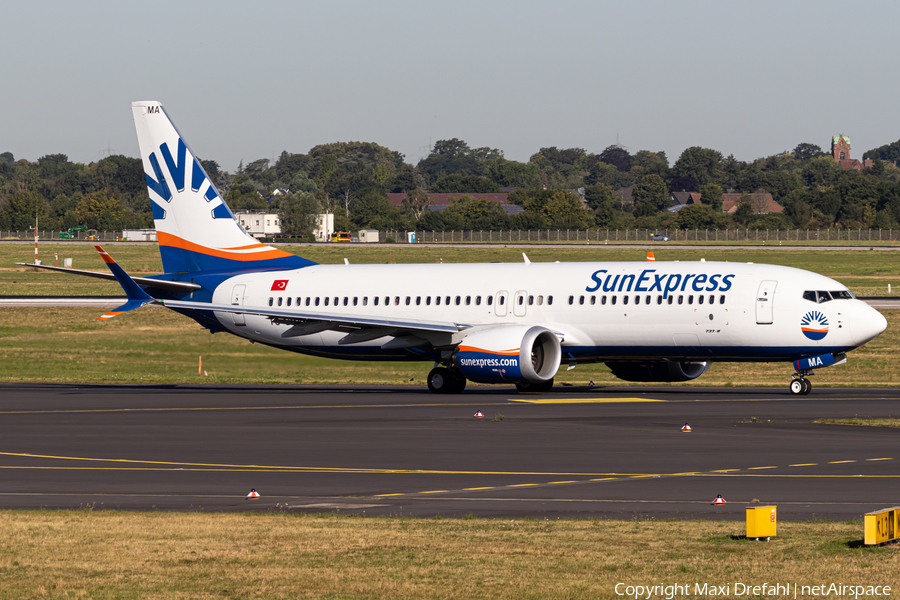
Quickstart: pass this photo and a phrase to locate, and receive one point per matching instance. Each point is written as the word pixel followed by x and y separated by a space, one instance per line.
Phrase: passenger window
pixel 613 300
pixel 469 300
pixel 288 301
pixel 477 300
pixel 699 299
pixel 437 300
pixel 418 300
pixel 637 299
pixel 722 299
pixel 624 299
pixel 691 299
pixel 355 300
pixel 502 300
pixel 571 299
pixel 387 300
pixel 345 300
pixel 326 300
pixel 458 300
pixel 549 300
pixel 270 301
pixel 396 300
pixel 712 299
pixel 375 300
pixel 680 299
pixel 365 300
pixel 427 300
pixel 671 299
pixel 307 302
pixel 407 300
pixel 530 300
pixel 581 300
pixel 603 300
pixel 593 300
pixel 447 300
pixel 336 300
pixel 317 300
pixel 659 299
pixel 489 300
pixel 540 300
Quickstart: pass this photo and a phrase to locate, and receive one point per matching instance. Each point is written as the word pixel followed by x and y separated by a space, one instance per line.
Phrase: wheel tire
pixel 440 381
pixel 458 384
pixel 807 387
pixel 797 387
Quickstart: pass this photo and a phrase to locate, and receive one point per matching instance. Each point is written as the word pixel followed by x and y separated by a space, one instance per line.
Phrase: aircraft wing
pixel 313 322
pixel 169 286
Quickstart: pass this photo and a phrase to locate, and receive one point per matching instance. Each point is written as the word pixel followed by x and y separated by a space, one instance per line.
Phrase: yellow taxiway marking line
pixel 522 484
pixel 755 468
pixel 604 479
pixel 838 462
pixel 583 400
pixel 476 489
pixel 435 492
pixel 226 408
pixel 879 459
pixel 726 470
pixel 556 482
pixel 386 495
pixel 804 465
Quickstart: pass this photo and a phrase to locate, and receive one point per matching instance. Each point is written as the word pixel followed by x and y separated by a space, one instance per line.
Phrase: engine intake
pixel 510 354
pixel 658 371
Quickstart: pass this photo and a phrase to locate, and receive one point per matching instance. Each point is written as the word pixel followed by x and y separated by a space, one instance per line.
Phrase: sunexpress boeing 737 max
pixel 488 323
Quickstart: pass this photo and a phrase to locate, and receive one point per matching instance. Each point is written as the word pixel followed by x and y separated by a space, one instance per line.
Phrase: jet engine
pixel 510 354
pixel 658 370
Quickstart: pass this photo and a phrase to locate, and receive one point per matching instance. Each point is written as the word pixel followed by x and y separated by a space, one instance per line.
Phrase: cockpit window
pixel 821 296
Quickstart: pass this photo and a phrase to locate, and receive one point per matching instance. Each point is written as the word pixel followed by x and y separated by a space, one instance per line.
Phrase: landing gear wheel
pixel 540 388
pixel 797 387
pixel 458 383
pixel 807 387
pixel 440 380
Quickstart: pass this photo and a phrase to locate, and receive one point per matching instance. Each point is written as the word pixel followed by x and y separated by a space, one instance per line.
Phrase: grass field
pixel 83 554
pixel 866 273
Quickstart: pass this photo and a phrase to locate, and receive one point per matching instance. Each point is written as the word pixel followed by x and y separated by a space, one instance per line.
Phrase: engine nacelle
pixel 658 371
pixel 510 354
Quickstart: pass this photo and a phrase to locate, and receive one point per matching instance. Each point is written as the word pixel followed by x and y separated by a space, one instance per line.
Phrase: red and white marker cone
pixel 719 500
pixel 479 415
pixel 686 428
pixel 253 495
pixel 650 257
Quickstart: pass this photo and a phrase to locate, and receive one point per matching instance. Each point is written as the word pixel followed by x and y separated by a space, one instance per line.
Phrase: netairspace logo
pixel 783 590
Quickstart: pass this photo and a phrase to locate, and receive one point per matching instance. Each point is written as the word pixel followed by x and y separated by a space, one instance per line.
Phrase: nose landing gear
pixel 800 385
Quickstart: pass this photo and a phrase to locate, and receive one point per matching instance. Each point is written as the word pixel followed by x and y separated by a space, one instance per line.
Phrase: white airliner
pixel 488 323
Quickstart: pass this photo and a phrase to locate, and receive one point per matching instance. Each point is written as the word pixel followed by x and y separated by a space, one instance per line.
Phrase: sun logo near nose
pixel 814 325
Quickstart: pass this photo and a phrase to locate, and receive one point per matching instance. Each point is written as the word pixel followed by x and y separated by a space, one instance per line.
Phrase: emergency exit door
pixel 765 302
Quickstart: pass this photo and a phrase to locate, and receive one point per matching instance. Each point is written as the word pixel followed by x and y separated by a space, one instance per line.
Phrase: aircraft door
pixel 765 302
pixel 500 304
pixel 519 306
pixel 237 299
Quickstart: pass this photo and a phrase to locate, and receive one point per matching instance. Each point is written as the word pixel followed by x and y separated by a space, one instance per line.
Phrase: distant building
pixel 760 202
pixel 840 151
pixel 324 227
pixel 259 224
pixel 682 199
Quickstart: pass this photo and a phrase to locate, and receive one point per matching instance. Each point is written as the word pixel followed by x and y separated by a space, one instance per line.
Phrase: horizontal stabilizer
pixel 160 284
pixel 137 297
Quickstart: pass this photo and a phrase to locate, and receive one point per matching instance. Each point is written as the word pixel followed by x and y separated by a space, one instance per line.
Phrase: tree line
pixel 352 180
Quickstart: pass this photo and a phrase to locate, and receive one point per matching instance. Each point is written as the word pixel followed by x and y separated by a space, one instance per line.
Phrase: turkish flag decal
pixel 279 285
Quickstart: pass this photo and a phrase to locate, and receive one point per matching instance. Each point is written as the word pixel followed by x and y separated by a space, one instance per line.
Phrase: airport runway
pixel 585 452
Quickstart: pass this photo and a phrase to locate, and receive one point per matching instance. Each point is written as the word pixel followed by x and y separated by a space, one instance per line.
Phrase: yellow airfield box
pixel 761 521
pixel 882 526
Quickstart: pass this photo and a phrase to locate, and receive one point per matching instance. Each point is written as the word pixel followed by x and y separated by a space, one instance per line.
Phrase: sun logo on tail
pixel 814 325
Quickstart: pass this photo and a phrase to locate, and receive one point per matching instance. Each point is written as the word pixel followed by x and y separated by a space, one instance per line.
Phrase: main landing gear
pixel 443 380
pixel 800 385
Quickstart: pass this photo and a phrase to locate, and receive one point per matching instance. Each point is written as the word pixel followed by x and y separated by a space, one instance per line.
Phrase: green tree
pixel 652 191
pixel 700 216
pixel 617 156
pixel 100 210
pixel 19 213
pixel 806 151
pixel 460 183
pixel 700 164
pixel 596 196
pixel 565 211
pixel 415 203
pixel 298 212
pixel 711 195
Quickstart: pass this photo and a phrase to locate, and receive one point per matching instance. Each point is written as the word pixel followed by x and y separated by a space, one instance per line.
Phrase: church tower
pixel 840 147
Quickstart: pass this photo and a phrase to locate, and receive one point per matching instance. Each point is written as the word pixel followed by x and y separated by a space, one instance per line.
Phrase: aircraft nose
pixel 868 325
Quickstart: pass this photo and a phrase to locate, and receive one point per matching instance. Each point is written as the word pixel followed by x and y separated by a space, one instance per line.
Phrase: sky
pixel 247 80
